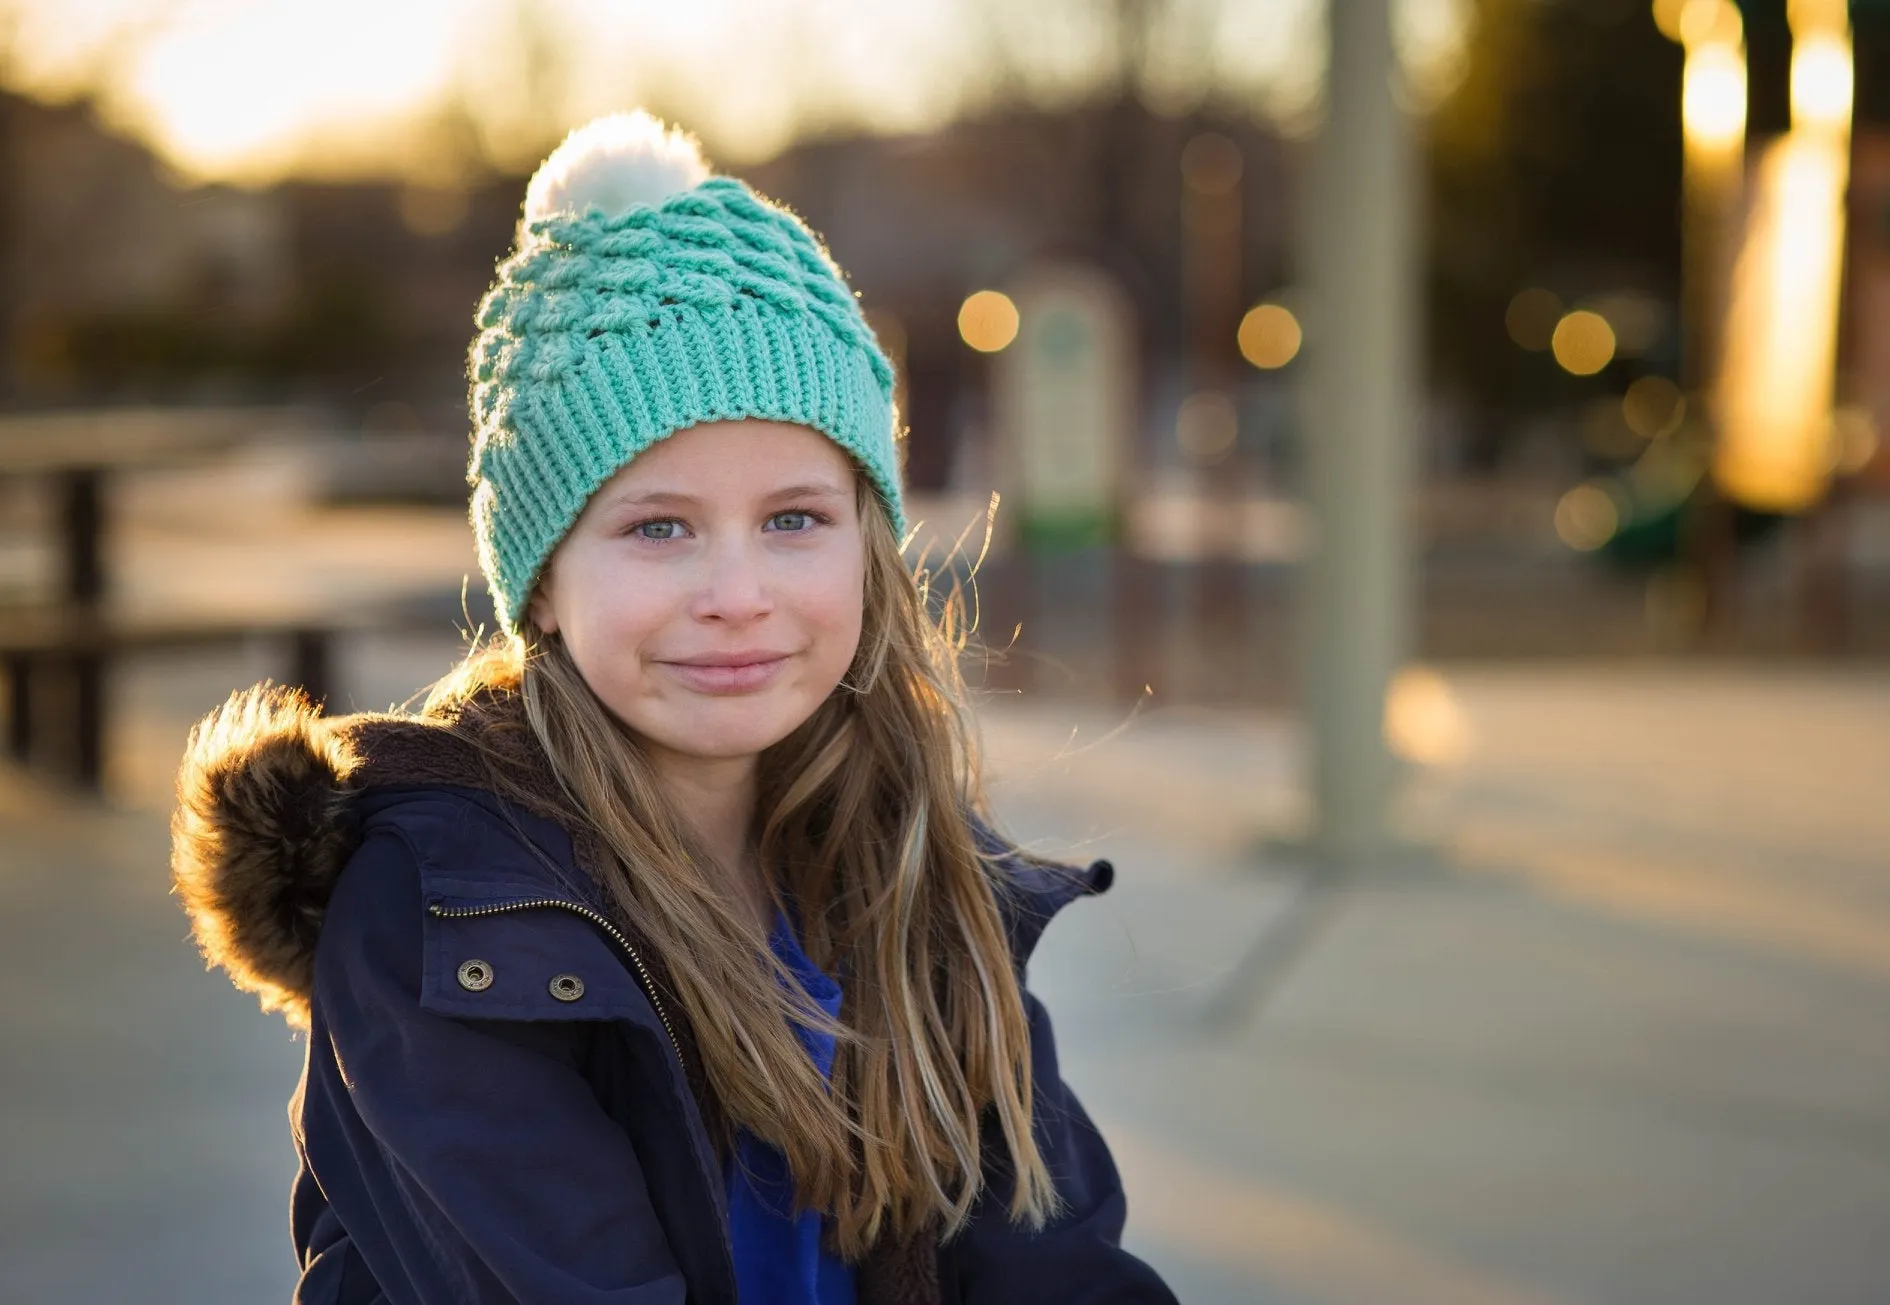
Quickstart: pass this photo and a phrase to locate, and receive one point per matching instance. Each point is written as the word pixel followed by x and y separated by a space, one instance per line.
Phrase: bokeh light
pixel 1583 342
pixel 1532 317
pixel 1270 336
pixel 1667 14
pixel 1586 518
pixel 1433 41
pixel 1774 398
pixel 1854 440
pixel 1711 22
pixel 1653 406
pixel 1424 722
pixel 988 321
pixel 1207 426
pixel 1713 95
pixel 1822 80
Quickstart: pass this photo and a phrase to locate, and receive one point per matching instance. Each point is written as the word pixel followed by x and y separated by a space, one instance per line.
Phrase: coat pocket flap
pixel 525 958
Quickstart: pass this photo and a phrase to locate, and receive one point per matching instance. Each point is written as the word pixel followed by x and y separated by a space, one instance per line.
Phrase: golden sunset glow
pixel 222 95
pixel 252 90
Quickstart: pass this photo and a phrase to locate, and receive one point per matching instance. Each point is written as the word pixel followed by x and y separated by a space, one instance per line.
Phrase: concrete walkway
pixel 1628 1041
pixel 1631 1045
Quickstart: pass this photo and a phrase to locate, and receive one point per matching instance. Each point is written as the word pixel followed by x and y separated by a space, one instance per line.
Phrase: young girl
pixel 665 954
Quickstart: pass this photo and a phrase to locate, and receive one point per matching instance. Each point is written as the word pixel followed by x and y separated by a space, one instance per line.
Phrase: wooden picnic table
pixel 69 634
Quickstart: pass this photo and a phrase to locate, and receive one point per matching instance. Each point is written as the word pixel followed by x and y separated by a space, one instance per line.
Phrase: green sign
pixel 1065 405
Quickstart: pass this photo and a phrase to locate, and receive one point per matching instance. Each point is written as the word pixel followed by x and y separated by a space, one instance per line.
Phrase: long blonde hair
pixel 863 818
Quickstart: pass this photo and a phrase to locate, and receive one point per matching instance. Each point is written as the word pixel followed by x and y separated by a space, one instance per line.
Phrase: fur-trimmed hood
pixel 264 821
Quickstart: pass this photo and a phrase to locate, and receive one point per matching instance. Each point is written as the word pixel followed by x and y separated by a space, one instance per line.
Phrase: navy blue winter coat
pixel 501 1101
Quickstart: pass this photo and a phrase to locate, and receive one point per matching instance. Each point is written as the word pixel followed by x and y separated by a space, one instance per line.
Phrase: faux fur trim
pixel 260 833
pixel 264 821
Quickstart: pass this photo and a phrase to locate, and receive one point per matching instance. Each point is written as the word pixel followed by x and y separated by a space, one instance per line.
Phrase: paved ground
pixel 1630 1045
pixel 1628 1041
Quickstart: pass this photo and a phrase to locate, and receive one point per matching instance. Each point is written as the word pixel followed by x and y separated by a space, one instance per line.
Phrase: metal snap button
pixel 567 987
pixel 475 976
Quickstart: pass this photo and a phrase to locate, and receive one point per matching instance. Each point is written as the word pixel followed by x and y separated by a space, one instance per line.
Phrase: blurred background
pixel 1441 554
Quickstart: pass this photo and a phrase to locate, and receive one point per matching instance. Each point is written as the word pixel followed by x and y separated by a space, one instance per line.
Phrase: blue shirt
pixel 779 1259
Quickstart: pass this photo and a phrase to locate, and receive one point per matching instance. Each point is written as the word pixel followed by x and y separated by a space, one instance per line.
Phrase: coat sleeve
pixel 1077 1258
pixel 469 1162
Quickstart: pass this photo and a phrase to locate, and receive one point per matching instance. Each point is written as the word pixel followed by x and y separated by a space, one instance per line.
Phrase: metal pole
pixel 1360 434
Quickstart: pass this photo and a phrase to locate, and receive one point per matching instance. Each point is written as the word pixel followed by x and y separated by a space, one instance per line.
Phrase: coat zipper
pixel 649 987
pixel 596 918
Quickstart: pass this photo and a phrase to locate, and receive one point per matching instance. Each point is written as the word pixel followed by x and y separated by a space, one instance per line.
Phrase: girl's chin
pixel 723 732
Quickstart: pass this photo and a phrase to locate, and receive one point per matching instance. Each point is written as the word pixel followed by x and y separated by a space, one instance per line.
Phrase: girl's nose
pixel 734 587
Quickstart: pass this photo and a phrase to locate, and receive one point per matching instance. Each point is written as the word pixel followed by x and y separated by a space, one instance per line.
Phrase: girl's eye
pixel 792 522
pixel 655 529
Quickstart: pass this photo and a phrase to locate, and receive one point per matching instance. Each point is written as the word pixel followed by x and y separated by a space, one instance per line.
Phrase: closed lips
pixel 734 673
pixel 753 658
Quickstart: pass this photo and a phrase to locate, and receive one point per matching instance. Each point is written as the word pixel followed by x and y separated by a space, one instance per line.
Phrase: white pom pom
pixel 614 164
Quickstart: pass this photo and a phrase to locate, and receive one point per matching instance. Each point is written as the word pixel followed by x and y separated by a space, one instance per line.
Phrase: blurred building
pixel 118 283
pixel 100 251
pixel 921 222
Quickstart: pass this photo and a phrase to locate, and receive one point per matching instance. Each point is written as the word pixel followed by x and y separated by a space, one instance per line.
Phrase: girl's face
pixel 710 592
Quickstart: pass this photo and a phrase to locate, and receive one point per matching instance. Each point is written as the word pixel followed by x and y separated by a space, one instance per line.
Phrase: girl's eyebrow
pixel 657 498
pixel 816 489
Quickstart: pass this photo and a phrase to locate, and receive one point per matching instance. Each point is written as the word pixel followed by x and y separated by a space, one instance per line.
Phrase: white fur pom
pixel 614 164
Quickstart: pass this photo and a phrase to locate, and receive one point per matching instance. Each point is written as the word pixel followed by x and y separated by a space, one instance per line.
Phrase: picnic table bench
pixel 57 656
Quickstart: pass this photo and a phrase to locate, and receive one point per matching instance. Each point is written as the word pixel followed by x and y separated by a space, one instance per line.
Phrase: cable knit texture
pixel 605 333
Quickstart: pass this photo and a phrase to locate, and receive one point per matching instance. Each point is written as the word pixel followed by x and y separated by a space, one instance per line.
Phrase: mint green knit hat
pixel 645 296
